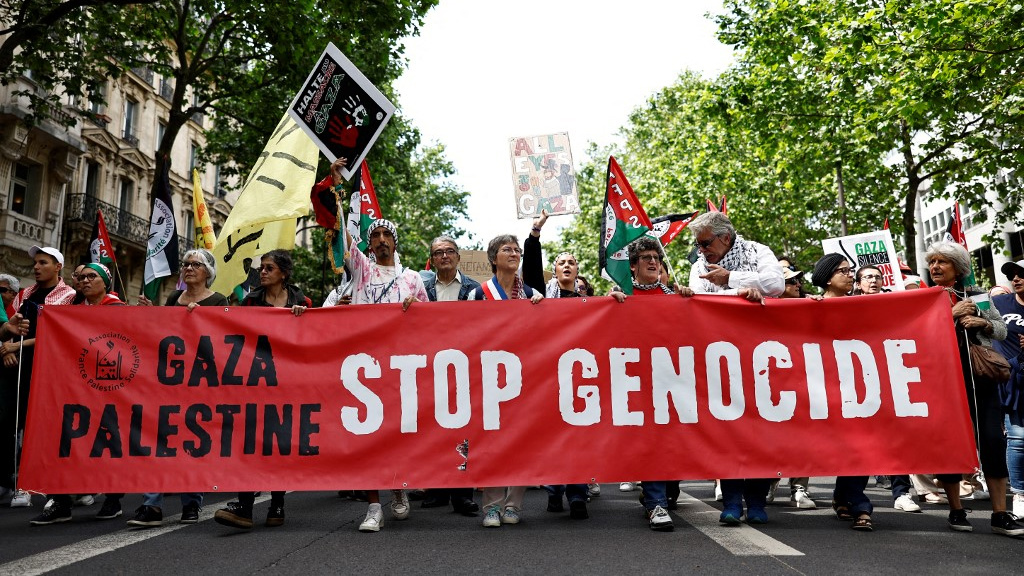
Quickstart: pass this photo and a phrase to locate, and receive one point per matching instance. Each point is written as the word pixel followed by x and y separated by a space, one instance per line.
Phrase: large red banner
pixel 494 393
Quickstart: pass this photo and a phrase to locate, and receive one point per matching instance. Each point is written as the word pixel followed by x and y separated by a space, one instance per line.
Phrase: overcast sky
pixel 483 72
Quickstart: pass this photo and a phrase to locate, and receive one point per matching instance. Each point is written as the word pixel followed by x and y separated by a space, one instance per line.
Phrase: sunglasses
pixel 5 290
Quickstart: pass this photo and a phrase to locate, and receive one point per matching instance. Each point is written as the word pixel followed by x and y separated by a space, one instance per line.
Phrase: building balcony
pixel 121 225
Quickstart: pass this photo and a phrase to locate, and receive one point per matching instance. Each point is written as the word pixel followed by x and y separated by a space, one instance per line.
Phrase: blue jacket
pixel 468 285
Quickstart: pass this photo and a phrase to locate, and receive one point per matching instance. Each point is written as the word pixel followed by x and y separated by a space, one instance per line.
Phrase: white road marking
pixel 66 555
pixel 742 540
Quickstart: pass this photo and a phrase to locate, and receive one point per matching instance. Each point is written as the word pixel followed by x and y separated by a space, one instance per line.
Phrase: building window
pixel 127 189
pixel 161 129
pixel 96 105
pixel 131 111
pixel 92 179
pixel 25 190
pixel 192 156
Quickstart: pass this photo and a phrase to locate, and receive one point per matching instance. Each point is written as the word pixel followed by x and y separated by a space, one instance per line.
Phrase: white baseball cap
pixel 46 250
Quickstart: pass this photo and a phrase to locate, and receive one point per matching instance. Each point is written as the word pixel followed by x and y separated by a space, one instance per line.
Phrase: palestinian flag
pixel 955 233
pixel 162 249
pixel 364 209
pixel 100 248
pixel 666 228
pixel 624 222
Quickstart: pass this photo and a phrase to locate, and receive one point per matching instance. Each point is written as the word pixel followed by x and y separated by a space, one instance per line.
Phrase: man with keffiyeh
pixel 728 264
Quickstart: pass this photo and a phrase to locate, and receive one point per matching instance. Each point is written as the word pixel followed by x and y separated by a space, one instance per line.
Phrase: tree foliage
pixel 928 89
pixel 52 41
pixel 896 98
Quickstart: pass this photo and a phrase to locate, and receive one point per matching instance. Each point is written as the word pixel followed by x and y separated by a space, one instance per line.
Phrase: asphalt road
pixel 320 536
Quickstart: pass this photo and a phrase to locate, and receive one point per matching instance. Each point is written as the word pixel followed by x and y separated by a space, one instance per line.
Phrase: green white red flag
pixel 100 248
pixel 624 222
pixel 364 209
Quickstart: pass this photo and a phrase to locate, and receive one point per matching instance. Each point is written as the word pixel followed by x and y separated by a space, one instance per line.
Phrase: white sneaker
pixel 374 520
pixel 1018 506
pixel 660 520
pixel 627 486
pixel 906 503
pixel 718 491
pixel 85 500
pixel 771 491
pixel 492 517
pixel 21 499
pixel 977 495
pixel 510 515
pixel 594 489
pixel 399 504
pixel 801 499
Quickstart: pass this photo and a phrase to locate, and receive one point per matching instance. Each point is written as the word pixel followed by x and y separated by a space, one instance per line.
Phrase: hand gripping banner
pixel 493 393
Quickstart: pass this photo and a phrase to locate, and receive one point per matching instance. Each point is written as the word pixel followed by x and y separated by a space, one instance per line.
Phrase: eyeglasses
pixel 268 268
pixel 5 290
pixel 793 281
pixel 652 258
pixel 512 250
pixel 871 277
pixel 192 264
pixel 845 270
pixel 449 252
pixel 704 244
pixel 87 277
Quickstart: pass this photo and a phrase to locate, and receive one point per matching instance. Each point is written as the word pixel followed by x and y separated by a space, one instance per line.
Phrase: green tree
pixel 51 42
pixel 922 93
pixel 243 61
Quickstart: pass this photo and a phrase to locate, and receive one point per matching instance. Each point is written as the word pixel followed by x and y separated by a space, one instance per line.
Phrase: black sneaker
pixel 578 510
pixel 555 504
pixel 189 513
pixel 275 516
pixel 147 517
pixel 958 521
pixel 1003 523
pixel 52 514
pixel 234 515
pixel 111 509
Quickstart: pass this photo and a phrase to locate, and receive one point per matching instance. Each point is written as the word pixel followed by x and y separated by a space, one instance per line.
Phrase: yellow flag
pixel 205 238
pixel 274 195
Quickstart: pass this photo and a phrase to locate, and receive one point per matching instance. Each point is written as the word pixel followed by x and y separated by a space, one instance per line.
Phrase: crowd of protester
pixel 726 263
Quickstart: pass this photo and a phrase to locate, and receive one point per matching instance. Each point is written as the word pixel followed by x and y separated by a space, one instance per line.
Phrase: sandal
pixel 862 524
pixel 842 512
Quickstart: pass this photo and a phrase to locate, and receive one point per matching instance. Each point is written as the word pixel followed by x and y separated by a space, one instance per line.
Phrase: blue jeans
pixel 753 490
pixel 1014 423
pixel 900 485
pixel 849 492
pixel 573 492
pixel 157 499
pixel 654 494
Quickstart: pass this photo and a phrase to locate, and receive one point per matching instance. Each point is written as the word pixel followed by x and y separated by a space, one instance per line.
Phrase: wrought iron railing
pixel 120 223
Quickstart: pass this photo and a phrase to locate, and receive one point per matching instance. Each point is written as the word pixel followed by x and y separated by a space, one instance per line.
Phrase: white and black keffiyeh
pixel 742 257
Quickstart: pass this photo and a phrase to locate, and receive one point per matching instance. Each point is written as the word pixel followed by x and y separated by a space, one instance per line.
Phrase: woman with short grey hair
pixel 949 265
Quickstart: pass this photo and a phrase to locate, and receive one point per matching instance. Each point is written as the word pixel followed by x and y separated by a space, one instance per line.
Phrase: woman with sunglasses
pixel 198 271
pixel 833 274
pixel 275 291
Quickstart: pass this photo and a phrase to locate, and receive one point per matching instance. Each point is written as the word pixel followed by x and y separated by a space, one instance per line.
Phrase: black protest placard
pixel 340 109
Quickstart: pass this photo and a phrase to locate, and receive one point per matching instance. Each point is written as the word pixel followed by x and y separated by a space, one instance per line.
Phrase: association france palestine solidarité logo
pixel 161 229
pixel 108 362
